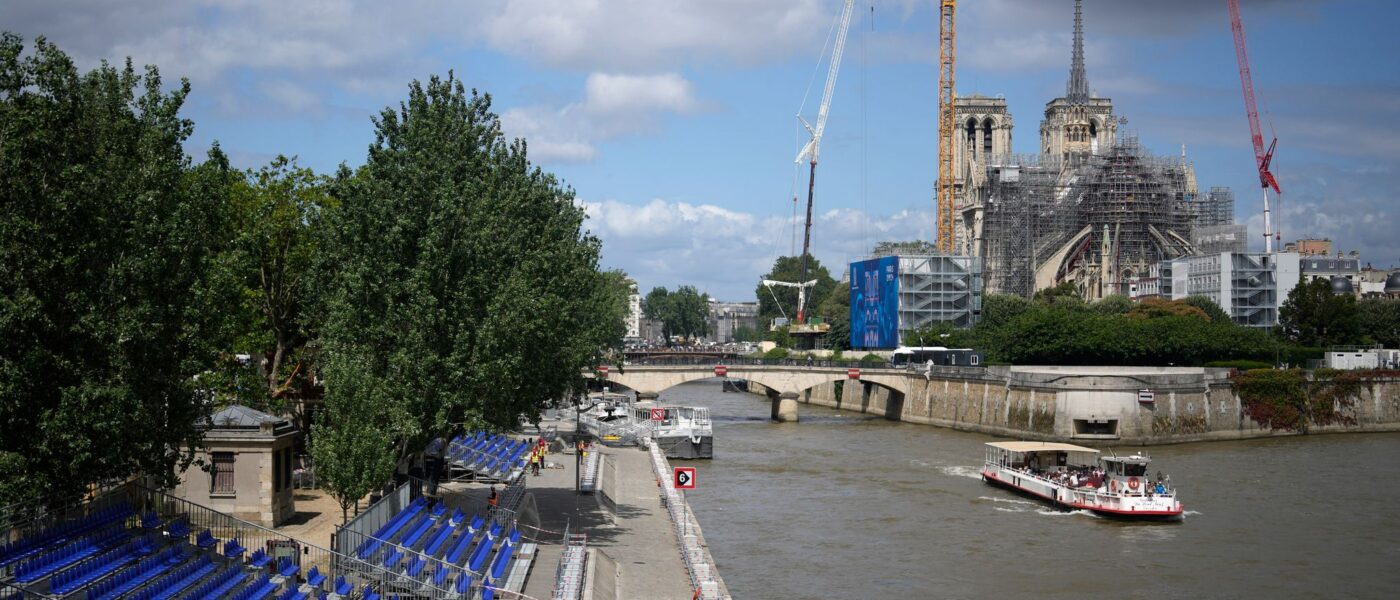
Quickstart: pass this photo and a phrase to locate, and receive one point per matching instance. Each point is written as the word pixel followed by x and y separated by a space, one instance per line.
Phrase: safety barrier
pixel 704 577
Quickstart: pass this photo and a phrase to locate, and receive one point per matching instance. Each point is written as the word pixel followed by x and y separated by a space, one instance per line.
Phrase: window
pixel 221 479
pixel 287 468
pixel 974 360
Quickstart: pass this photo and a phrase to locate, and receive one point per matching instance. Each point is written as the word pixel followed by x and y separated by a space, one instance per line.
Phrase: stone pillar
pixel 785 408
pixel 647 396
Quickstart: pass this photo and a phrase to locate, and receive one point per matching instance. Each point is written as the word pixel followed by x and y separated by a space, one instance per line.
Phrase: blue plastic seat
pixel 287 568
pixel 259 559
pixel 343 587
pixel 314 577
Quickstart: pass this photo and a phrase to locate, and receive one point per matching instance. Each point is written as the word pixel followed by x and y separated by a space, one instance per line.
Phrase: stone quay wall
pixel 1089 405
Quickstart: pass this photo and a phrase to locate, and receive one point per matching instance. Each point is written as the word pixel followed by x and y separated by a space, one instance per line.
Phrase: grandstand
pixel 135 543
pixel 488 457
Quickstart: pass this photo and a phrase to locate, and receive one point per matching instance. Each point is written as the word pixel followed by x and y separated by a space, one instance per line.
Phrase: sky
pixel 675 120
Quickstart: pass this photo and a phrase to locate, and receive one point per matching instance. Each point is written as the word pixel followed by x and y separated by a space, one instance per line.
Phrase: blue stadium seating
pixel 233 549
pixel 287 568
pixel 259 559
pixel 314 577
pixel 261 588
pixel 219 585
pixel 206 539
pixel 343 587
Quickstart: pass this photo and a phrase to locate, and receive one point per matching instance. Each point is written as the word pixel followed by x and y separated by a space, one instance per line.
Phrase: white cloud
pixel 615 93
pixel 646 34
pixel 613 105
pixel 722 251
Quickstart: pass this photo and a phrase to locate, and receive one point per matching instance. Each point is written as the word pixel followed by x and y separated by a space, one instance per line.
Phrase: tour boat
pixel 681 431
pixel 1078 478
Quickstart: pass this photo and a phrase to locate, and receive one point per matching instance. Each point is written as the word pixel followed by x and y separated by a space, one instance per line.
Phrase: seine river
pixel 842 505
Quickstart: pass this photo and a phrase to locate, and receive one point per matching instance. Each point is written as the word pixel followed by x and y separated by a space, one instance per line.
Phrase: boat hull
pixel 684 447
pixel 1125 515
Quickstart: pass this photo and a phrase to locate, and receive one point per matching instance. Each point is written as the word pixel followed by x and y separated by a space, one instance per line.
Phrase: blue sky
pixel 674 119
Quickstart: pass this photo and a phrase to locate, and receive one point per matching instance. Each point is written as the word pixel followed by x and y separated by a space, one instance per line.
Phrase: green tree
pixel 1379 319
pixel 1314 316
pixel 1208 306
pixel 110 287
pixel 684 312
pixel 1051 295
pixel 836 310
pixel 782 300
pixel 1115 304
pixel 277 213
pixel 454 276
pixel 352 440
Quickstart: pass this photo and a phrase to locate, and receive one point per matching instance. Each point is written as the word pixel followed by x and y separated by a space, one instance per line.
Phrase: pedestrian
pixel 535 459
pixel 493 499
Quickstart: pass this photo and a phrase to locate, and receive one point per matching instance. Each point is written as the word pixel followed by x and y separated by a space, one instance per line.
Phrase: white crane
pixel 801 294
pixel 813 147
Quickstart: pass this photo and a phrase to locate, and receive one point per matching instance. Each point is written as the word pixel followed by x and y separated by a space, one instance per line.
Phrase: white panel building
pixel 1250 286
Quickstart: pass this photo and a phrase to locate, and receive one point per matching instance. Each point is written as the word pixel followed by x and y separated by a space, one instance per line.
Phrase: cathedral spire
pixel 1077 89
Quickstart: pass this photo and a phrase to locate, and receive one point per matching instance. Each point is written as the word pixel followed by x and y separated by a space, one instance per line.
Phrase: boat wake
pixel 957 471
pixel 1191 512
pixel 1009 500
pixel 1061 513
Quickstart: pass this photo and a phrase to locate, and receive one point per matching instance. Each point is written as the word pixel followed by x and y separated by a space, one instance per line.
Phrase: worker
pixel 494 499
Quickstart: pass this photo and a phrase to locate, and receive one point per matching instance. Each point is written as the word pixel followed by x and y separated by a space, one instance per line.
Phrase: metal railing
pixel 573 563
pixel 704 577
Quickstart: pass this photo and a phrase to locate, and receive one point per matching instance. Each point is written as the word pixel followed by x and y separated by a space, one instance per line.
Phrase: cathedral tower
pixel 1077 124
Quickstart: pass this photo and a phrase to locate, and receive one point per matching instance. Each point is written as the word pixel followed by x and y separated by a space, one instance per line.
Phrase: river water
pixel 843 505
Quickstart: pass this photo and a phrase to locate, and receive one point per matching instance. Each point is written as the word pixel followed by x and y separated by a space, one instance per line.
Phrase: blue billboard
pixel 875 303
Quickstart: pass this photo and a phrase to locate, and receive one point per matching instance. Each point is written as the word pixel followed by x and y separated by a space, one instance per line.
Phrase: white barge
pixel 1075 478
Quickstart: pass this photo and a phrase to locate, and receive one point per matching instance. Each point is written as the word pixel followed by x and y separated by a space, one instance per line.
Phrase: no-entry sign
pixel 658 414
pixel 853 373
pixel 603 371
pixel 684 478
pixel 721 370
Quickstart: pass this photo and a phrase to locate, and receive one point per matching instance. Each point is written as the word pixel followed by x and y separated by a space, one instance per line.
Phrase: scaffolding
pixel 1097 220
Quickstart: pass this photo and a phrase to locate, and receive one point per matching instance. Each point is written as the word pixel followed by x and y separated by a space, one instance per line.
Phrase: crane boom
pixel 813 147
pixel 946 94
pixel 1262 156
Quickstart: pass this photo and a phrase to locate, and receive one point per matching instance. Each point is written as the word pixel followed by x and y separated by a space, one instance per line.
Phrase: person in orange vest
pixel 493 500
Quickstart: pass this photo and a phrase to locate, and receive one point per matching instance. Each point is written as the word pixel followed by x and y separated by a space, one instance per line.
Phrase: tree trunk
pixel 276 365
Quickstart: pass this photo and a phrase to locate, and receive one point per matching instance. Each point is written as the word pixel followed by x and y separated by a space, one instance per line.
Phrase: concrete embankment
pixel 634 547
pixel 1092 405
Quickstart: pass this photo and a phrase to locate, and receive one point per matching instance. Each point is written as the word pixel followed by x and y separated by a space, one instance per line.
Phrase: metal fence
pixel 374 517
pixel 169 509
pixel 304 555
pixel 573 563
pixel 704 577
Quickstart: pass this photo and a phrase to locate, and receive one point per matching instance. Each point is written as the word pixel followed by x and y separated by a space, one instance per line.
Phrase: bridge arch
pixel 787 385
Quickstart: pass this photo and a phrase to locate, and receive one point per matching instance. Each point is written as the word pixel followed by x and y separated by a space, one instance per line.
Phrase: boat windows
pixel 1134 470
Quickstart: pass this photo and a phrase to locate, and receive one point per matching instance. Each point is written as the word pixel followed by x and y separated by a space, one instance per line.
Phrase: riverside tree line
pixel 445 281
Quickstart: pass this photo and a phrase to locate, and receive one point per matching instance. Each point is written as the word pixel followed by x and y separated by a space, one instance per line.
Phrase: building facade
pixel 727 318
pixel 250 454
pixel 1092 208
pixel 1249 286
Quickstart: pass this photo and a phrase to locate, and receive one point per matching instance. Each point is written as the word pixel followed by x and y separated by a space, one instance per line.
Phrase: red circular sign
pixel 853 373
pixel 720 370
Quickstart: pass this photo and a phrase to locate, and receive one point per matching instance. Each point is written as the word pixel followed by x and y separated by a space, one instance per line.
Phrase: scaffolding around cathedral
pixel 1096 220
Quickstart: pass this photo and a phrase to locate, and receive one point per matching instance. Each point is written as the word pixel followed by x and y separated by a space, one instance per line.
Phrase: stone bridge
pixel 785 382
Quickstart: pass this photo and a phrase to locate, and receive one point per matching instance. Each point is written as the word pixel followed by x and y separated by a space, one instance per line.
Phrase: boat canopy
pixel 1039 447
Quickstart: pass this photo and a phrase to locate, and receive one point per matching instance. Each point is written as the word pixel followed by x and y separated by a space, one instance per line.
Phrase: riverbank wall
pixel 700 565
pixel 1098 405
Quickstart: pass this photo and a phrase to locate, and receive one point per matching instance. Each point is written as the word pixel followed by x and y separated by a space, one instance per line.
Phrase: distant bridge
pixel 663 354
pixel 785 380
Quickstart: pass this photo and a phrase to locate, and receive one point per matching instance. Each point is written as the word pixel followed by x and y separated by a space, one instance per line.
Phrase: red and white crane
pixel 1262 156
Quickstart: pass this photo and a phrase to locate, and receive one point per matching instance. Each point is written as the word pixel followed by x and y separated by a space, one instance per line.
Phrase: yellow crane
pixel 947 8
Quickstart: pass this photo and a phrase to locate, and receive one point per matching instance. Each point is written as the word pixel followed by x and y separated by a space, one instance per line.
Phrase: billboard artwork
pixel 875 303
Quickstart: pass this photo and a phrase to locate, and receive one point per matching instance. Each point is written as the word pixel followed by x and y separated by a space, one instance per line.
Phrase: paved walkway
pixel 638 536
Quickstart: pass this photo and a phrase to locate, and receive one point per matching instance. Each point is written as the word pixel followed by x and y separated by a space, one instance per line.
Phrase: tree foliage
pixel 684 312
pixel 1068 331
pixel 277 214
pixel 352 441
pixel 1314 316
pixel 782 300
pixel 835 309
pixel 455 277
pixel 1379 319
pixel 110 288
